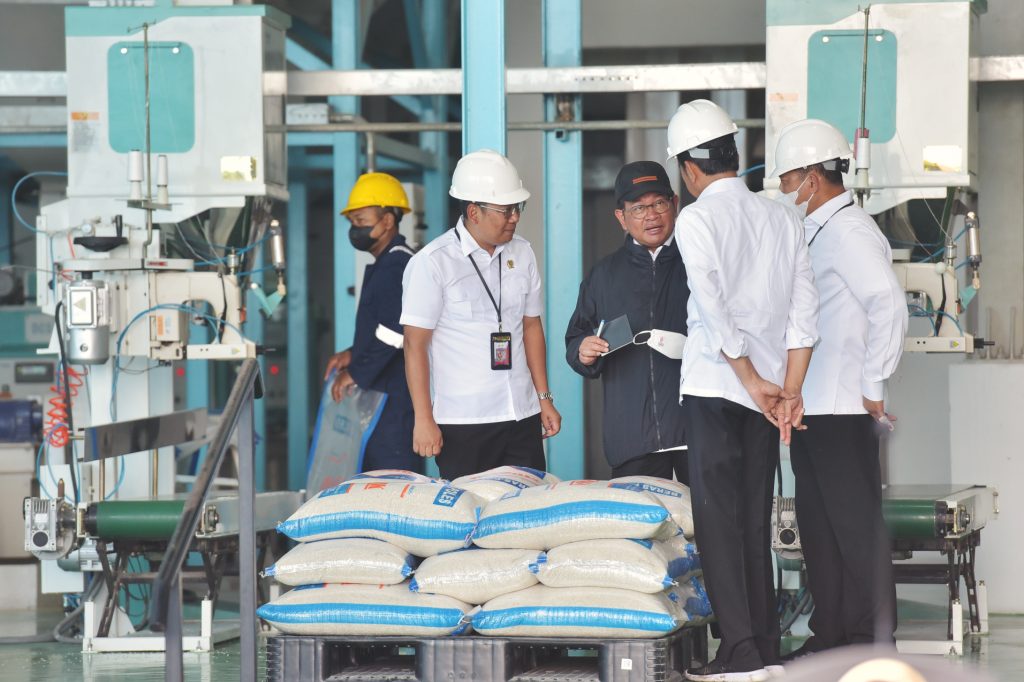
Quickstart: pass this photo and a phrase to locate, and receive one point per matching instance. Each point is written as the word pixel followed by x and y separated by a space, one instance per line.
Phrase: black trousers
pixel 733 455
pixel 472 448
pixel 845 543
pixel 660 464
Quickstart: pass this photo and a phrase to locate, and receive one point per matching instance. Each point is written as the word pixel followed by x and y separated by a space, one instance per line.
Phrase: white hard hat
pixel 805 143
pixel 695 123
pixel 486 175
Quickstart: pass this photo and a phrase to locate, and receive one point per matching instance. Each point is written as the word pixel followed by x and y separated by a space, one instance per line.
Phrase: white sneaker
pixel 775 671
pixel 717 672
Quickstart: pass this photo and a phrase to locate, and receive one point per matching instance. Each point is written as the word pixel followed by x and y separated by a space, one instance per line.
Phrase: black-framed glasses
pixel 640 210
pixel 507 211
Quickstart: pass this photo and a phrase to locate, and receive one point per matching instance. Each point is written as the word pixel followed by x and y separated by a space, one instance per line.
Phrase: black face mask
pixel 360 237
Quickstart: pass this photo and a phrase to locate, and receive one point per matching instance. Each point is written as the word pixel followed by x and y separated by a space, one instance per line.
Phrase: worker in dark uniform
pixel 646 281
pixel 376 360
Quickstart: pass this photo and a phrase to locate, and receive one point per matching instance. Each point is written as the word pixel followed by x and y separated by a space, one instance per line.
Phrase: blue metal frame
pixel 436 180
pixel 563 247
pixel 483 76
pixel 254 328
pixel 297 248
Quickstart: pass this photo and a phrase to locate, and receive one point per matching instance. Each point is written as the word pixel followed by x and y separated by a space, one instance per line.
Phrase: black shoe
pixel 717 671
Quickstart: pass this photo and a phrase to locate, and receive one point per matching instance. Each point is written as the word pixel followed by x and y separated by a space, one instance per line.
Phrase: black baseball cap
pixel 640 177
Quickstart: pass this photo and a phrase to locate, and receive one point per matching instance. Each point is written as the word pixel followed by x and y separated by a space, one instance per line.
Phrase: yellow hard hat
pixel 377 189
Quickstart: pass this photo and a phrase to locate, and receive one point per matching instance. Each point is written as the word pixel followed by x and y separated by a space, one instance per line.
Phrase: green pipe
pixel 910 519
pixel 133 519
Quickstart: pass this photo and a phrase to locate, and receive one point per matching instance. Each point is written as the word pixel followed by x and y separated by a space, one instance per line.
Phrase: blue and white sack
pixel 641 565
pixel 422 518
pixel 369 610
pixel 395 475
pixel 343 560
pixel 682 557
pixel 542 611
pixel 476 576
pixel 495 483
pixel 571 511
pixel 674 495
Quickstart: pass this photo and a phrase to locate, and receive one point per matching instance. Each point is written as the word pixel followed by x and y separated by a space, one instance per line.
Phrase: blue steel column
pixel 483 75
pixel 436 180
pixel 255 328
pixel 345 49
pixel 297 250
pixel 563 238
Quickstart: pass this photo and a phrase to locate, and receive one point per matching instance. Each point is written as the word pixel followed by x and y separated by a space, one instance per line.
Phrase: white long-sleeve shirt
pixel 751 289
pixel 862 315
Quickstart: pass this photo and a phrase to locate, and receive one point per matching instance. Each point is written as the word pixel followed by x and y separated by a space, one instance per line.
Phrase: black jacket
pixel 375 364
pixel 641 386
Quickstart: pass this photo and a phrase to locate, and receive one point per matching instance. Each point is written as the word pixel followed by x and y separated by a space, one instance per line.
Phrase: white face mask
pixel 789 199
pixel 669 344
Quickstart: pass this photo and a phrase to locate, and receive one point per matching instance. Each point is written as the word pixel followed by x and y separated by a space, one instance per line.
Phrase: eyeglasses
pixel 507 211
pixel 640 210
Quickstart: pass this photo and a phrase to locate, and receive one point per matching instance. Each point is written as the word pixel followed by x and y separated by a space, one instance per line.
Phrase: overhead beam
pixel 379 82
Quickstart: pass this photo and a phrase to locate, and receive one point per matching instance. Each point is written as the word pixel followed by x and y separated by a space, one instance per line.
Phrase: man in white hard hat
pixel 751 321
pixel 471 307
pixel 863 321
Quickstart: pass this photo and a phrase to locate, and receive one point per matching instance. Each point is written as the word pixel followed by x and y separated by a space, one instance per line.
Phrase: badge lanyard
pixel 501 342
pixel 818 231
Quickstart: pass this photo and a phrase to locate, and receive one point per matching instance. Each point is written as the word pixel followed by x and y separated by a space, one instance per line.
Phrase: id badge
pixel 501 350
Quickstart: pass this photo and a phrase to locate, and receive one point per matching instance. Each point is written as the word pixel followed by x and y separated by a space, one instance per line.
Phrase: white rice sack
pixel 681 556
pixel 367 610
pixel 344 560
pixel 674 495
pixel 547 516
pixel 421 518
pixel 495 483
pixel 395 475
pixel 639 565
pixel 476 576
pixel 691 600
pixel 542 611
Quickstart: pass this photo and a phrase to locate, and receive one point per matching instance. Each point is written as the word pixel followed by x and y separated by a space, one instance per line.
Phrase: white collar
pixel 825 212
pixel 468 244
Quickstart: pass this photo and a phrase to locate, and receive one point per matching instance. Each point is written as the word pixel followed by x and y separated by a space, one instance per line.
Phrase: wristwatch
pixel 546 395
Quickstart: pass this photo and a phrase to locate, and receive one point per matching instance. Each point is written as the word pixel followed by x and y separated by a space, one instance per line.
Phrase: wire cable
pixel 69 442
pixel 14 195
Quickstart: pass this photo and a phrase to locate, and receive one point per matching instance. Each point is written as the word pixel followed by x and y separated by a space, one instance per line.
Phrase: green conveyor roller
pixel 909 519
pixel 133 519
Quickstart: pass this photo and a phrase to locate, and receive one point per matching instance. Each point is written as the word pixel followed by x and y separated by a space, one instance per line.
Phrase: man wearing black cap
pixel 644 280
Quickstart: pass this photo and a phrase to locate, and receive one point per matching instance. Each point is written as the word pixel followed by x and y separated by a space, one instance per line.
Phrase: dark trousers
pixel 733 455
pixel 845 543
pixel 660 464
pixel 390 444
pixel 472 448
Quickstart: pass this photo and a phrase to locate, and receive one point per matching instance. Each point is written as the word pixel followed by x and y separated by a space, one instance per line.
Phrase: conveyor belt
pixel 133 519
pixel 912 519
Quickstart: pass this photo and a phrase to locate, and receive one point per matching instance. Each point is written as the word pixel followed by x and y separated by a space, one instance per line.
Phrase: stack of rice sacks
pixel 613 560
pixel 549 558
pixel 358 544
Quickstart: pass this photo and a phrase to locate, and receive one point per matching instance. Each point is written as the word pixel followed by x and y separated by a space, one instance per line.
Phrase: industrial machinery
pixel 947 519
pixel 879 73
pixel 176 154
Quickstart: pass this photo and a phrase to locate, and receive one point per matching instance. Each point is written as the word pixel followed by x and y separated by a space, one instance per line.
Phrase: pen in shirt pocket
pixel 600 328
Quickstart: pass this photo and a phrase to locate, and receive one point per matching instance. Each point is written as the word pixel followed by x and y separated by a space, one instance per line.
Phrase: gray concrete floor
pixel 1000 654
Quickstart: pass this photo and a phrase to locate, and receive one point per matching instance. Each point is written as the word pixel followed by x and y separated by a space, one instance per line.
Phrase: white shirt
pixel 654 254
pixel 751 289
pixel 442 291
pixel 862 315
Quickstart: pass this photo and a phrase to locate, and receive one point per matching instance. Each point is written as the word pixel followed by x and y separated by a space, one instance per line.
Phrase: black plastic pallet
pixel 293 658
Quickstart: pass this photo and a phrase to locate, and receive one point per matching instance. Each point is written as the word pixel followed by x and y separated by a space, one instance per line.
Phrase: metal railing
pixel 165 607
